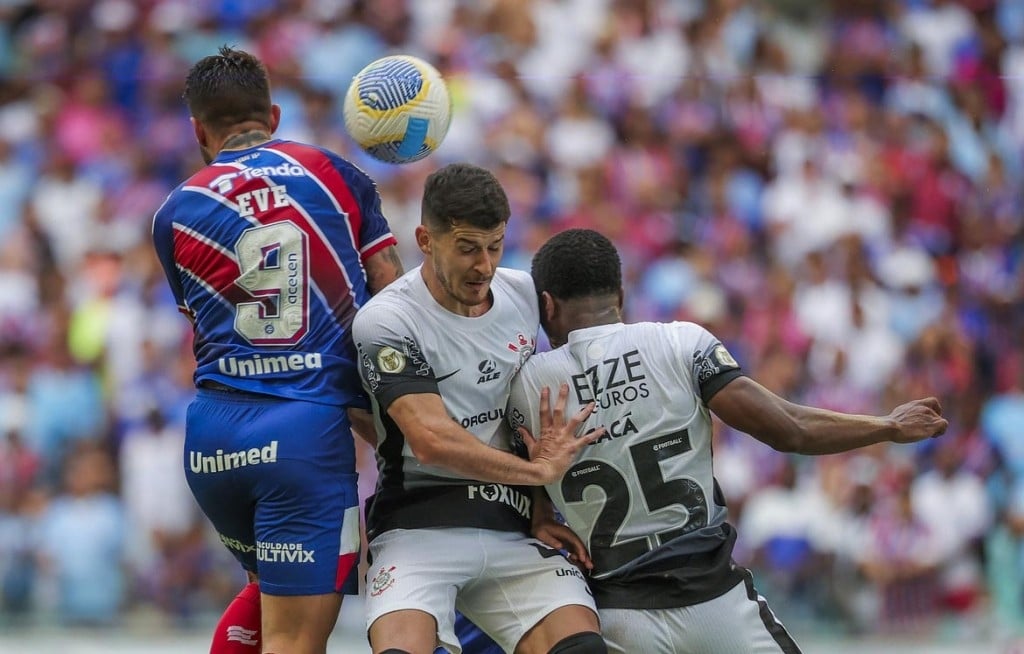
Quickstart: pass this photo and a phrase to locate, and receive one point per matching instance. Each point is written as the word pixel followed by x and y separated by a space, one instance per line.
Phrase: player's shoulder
pixel 165 210
pixel 515 282
pixel 514 276
pixel 541 366
pixel 170 210
pixel 677 331
pixel 299 148
pixel 308 154
pixel 397 297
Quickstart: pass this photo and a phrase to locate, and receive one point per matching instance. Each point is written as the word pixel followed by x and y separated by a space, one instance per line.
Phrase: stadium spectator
pixel 81 541
pixel 951 500
pixel 901 557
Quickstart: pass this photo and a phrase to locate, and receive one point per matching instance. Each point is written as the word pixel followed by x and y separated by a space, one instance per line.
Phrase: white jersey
pixel 408 343
pixel 643 498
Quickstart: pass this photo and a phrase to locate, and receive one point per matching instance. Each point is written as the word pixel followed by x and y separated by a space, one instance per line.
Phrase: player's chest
pixel 484 360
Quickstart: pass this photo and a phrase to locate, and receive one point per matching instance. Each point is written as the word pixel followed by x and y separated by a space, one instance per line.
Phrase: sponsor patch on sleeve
pixel 712 362
pixel 390 360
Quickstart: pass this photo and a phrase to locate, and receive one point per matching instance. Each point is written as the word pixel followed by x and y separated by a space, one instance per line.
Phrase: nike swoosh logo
pixel 444 377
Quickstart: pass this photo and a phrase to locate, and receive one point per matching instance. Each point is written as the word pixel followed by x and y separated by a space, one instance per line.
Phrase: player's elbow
pixel 428 456
pixel 427 447
pixel 785 433
pixel 789 442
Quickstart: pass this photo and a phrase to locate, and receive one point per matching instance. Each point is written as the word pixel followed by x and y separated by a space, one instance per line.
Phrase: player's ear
pixel 275 117
pixel 622 300
pixel 201 136
pixel 423 239
pixel 547 307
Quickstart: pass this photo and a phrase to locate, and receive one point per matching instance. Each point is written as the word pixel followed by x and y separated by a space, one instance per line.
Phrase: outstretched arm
pixel 750 407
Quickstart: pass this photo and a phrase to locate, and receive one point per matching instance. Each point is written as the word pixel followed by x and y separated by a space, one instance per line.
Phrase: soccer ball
pixel 398 109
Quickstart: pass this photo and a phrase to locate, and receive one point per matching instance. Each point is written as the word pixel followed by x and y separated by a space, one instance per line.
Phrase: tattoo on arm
pixel 383 268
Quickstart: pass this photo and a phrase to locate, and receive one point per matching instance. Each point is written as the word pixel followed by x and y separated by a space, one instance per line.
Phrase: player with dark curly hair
pixel 642 499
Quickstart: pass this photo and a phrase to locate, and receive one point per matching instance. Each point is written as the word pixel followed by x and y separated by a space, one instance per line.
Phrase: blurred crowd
pixel 833 188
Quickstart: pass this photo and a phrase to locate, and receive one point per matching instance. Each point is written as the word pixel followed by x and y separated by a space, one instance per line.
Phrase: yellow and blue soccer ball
pixel 398 109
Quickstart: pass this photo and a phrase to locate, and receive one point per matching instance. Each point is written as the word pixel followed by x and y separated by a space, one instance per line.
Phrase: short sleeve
pixel 374 230
pixel 711 365
pixel 391 360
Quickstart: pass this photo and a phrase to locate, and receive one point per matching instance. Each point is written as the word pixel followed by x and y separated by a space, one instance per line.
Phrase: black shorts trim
pixel 483 506
pixel 774 627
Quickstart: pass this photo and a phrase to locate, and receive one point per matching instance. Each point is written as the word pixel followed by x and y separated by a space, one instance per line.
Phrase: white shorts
pixel 738 622
pixel 503 581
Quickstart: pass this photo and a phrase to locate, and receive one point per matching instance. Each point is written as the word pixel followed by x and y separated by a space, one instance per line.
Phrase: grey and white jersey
pixel 643 497
pixel 408 343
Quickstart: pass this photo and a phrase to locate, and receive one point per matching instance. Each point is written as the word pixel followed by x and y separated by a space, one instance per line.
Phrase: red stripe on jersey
pixel 205 177
pixel 332 281
pixel 215 268
pixel 377 247
pixel 320 165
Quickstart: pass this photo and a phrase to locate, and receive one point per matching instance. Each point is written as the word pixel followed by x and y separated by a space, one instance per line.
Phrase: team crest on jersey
pixel 382 581
pixel 390 360
pixel 522 346
pixel 520 342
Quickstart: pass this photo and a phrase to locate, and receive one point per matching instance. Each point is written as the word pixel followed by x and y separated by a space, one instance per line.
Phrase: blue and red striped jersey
pixel 263 249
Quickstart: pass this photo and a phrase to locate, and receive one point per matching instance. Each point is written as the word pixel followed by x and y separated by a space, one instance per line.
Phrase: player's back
pixel 644 493
pixel 263 249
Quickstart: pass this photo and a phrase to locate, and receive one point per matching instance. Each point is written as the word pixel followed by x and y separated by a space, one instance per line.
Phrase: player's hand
pixel 557 445
pixel 918 420
pixel 561 537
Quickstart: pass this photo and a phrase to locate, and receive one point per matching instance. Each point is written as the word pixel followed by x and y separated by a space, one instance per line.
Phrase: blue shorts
pixel 472 638
pixel 277 479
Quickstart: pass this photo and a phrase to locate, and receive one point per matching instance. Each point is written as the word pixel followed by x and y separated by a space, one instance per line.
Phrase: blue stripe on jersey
pixel 262 249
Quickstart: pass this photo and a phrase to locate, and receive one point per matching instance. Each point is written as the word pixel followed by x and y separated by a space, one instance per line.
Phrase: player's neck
pixel 592 312
pixel 245 138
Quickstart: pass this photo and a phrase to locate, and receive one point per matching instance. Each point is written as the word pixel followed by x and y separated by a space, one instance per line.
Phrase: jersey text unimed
pixel 261 365
pixel 221 460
